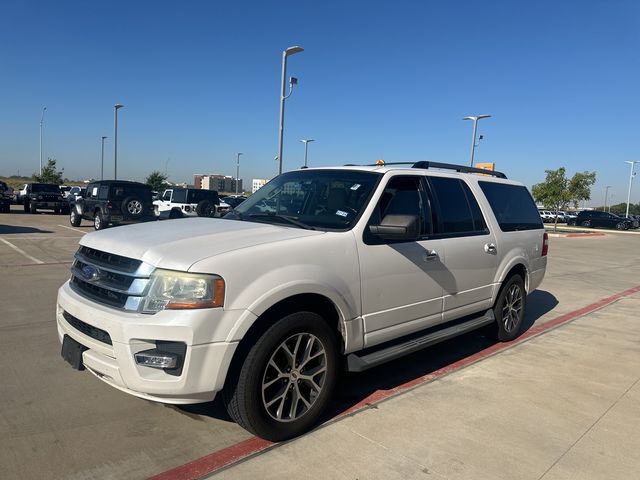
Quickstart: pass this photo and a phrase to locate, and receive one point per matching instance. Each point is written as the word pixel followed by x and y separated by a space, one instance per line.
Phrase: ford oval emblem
pixel 89 273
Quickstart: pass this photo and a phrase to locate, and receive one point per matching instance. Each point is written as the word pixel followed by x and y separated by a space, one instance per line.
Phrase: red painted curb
pixel 227 456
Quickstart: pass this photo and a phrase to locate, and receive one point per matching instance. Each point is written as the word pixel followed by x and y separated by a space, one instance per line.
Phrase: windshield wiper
pixel 287 218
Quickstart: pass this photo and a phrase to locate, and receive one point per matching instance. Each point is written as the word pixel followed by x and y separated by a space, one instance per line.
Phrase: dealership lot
pixel 58 423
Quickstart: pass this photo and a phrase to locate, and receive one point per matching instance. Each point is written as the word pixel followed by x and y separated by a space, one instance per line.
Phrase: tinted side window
pixel 403 196
pixel 103 193
pixel 458 211
pixel 512 205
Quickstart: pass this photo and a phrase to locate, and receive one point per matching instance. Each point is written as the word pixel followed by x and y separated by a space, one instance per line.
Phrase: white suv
pixel 348 267
pixel 190 202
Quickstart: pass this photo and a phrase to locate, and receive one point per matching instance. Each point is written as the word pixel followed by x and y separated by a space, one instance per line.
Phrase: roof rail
pixel 443 166
pixel 458 168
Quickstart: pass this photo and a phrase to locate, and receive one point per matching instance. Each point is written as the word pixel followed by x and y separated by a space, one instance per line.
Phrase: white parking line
pixel 19 250
pixel 71 228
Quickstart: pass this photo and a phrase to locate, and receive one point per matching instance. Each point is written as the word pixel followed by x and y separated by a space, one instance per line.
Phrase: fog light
pixel 155 358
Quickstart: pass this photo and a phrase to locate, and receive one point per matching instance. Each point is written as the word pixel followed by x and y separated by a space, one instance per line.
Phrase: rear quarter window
pixel 512 205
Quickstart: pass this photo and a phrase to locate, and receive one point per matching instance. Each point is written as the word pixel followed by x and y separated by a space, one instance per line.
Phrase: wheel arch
pixel 317 303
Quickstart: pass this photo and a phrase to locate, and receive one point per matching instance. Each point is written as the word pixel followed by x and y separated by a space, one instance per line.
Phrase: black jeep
pixel 45 196
pixel 5 198
pixel 112 202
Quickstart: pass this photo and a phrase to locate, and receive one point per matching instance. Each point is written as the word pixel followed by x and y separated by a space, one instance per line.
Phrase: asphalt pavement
pixel 61 424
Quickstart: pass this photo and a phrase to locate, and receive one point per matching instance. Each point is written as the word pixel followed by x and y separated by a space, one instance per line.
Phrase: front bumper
pixel 205 364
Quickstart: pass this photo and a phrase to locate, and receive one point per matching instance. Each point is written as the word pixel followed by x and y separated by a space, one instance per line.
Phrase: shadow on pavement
pixel 353 388
pixel 13 229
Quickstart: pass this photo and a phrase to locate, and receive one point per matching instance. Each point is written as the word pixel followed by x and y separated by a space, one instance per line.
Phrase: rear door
pixel 471 255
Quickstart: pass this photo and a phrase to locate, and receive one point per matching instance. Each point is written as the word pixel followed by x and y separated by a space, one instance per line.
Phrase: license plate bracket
pixel 72 352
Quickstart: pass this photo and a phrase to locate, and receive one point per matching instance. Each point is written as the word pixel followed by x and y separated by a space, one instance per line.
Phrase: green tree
pixel 50 173
pixel 157 181
pixel 557 192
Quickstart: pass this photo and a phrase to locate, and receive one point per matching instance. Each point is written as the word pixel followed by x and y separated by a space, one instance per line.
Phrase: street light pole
pixel 237 170
pixel 306 145
pixel 606 197
pixel 473 135
pixel 116 107
pixel 102 160
pixel 283 97
pixel 631 175
pixel 41 122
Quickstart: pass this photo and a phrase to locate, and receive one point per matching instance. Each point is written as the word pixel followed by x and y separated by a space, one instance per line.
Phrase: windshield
pixel 322 199
pixel 45 187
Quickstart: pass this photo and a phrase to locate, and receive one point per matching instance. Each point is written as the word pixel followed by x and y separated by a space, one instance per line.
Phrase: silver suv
pixel 320 270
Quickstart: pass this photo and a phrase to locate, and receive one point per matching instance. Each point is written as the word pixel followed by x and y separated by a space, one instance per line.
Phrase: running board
pixel 360 362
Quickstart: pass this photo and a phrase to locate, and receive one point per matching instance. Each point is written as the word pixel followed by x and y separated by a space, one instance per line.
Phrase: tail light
pixel 187 208
pixel 109 205
pixel 545 244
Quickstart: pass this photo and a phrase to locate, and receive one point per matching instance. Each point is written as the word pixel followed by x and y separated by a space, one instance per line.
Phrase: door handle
pixel 490 248
pixel 430 255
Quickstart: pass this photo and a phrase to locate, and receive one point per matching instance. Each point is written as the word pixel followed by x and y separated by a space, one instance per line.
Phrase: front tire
pixel 32 208
pixel 509 309
pixel 586 223
pixel 98 221
pixel 74 218
pixel 283 385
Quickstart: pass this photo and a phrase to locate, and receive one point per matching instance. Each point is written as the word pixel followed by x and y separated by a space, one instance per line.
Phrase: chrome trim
pixel 137 287
pixel 144 270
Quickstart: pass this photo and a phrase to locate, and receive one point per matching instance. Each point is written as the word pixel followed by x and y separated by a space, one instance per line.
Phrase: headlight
pixel 169 290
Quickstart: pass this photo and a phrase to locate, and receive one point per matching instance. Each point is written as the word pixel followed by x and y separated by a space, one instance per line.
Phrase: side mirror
pixel 397 227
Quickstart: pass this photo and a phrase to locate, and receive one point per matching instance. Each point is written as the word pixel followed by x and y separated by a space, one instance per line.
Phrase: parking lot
pixel 521 412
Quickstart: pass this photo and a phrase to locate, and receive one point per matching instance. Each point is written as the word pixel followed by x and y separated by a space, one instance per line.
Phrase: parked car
pixel 234 200
pixel 632 219
pixel 65 189
pixel 6 196
pixel 44 196
pixel 111 202
pixel 187 202
pixel 76 192
pixel 21 193
pixel 354 267
pixel 546 216
pixel 594 218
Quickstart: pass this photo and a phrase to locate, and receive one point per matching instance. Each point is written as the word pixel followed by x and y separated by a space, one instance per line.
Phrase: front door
pixel 402 282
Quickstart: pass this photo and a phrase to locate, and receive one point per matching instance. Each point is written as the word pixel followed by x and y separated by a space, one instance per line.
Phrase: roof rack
pixel 458 168
pixel 443 166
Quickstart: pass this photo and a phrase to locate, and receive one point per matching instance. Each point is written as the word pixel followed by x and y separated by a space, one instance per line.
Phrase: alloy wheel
pixel 294 377
pixel 512 308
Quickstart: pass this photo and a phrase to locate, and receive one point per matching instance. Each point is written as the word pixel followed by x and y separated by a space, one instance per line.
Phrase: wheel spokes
pixel 294 377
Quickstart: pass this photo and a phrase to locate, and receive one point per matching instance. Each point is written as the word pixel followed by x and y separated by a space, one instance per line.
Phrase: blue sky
pixel 392 80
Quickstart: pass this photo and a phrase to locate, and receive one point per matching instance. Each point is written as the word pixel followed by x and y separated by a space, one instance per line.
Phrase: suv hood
pixel 178 244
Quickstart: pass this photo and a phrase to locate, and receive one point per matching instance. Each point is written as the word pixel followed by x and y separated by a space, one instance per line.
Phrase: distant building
pixel 257 184
pixel 219 183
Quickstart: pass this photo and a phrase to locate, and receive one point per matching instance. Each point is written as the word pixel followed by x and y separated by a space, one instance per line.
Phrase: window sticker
pixel 341 213
pixel 355 186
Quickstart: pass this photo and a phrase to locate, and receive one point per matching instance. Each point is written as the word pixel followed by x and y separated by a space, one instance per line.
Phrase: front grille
pixel 88 330
pixel 109 279
pixel 110 260
pixel 116 280
pixel 99 294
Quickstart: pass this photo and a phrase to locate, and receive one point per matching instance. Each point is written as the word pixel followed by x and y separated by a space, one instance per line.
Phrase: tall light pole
pixel 102 161
pixel 41 122
pixel 306 145
pixel 283 97
pixel 116 107
pixel 475 127
pixel 631 175
pixel 606 197
pixel 237 170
